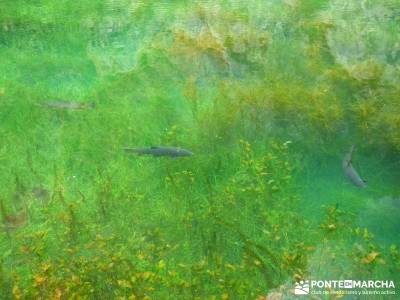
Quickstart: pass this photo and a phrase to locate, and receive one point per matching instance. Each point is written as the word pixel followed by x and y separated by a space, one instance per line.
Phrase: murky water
pixel 268 95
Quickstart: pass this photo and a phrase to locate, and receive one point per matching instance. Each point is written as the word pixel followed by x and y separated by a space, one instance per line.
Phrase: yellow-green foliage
pixel 267 94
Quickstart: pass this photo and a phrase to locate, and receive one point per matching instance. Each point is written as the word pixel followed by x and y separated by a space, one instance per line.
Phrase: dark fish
pixel 67 105
pixel 350 172
pixel 41 194
pixel 160 151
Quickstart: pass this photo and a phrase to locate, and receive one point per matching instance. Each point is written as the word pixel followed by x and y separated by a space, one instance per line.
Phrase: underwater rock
pixel 359 39
pixel 115 41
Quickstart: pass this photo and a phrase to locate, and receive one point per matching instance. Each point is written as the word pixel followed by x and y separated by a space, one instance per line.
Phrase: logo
pixel 302 288
pixel 345 287
pixel 348 284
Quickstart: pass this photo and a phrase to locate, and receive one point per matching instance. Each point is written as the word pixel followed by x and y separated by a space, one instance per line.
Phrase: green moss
pixel 268 96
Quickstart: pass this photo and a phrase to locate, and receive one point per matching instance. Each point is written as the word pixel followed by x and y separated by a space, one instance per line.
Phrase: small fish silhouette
pixel 67 105
pixel 41 194
pixel 16 220
pixel 172 152
pixel 12 222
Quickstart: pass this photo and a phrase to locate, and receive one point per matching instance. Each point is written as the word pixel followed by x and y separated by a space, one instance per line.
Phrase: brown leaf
pixel 370 258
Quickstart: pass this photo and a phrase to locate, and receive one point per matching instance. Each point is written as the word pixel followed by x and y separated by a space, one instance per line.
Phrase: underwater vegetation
pixel 257 103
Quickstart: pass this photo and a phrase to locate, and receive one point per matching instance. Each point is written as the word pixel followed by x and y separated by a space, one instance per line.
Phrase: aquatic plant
pixel 268 95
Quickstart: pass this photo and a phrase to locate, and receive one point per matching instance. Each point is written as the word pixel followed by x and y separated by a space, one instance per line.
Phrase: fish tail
pixel 138 151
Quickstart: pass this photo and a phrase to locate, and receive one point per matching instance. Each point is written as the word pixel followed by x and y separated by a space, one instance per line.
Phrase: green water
pixel 268 95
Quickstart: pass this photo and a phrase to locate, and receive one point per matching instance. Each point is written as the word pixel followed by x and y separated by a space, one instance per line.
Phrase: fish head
pixel 184 152
pixel 361 183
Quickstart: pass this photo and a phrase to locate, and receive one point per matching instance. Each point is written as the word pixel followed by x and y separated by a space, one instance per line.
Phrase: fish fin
pixel 154 147
pixel 132 150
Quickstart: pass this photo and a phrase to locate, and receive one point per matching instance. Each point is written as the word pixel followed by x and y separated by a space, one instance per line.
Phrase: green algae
pixel 268 95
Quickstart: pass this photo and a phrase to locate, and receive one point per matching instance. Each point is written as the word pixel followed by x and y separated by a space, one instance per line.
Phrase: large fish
pixel 350 172
pixel 67 105
pixel 160 151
